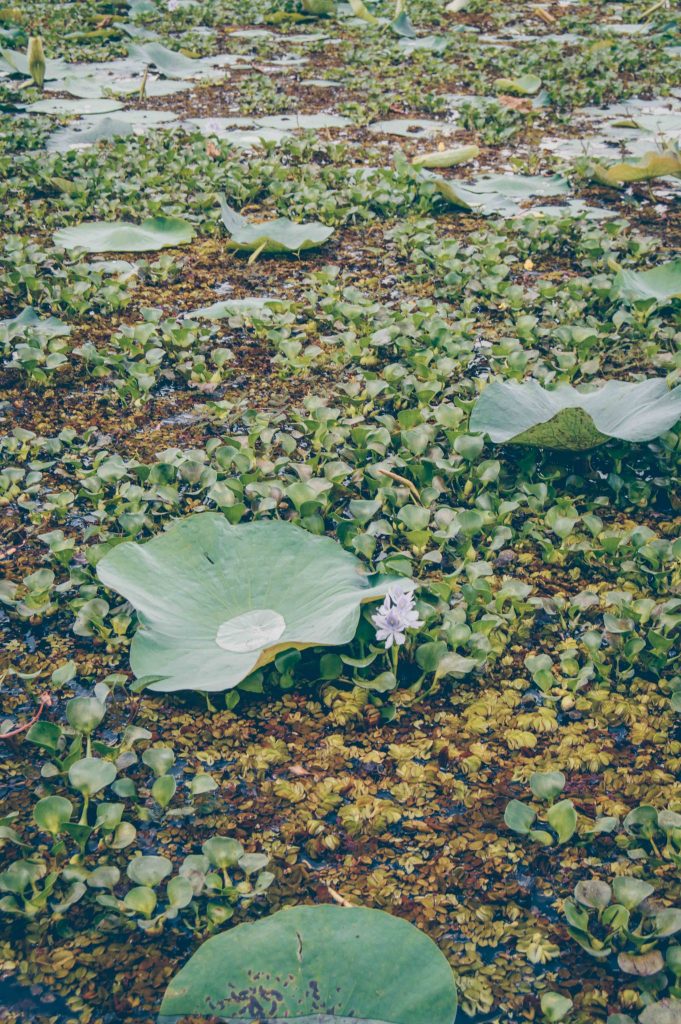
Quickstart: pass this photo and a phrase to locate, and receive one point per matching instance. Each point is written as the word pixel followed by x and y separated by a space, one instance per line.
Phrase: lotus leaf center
pixel 251 631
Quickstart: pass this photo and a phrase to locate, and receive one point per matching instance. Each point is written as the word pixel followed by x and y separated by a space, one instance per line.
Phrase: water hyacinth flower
pixel 395 616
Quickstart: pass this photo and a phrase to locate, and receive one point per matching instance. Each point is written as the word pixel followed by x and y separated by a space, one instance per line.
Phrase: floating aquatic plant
pixel 215 602
pixel 317 964
pixel 526 413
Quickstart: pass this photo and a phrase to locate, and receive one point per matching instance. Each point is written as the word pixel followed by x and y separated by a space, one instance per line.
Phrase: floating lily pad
pixel 320 964
pixel 77 108
pixel 169 62
pixel 215 601
pixel 307 122
pixel 232 307
pixel 662 283
pixel 408 128
pixel 281 235
pixel 119 236
pixel 526 413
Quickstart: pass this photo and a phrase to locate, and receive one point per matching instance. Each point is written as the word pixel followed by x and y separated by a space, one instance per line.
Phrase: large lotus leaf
pixel 316 965
pixel 281 235
pixel 514 413
pixel 304 122
pixel 75 108
pixel 498 193
pixel 169 62
pixel 233 307
pixel 15 62
pixel 651 165
pixel 90 130
pixel 412 128
pixel 119 236
pixel 662 283
pixel 216 601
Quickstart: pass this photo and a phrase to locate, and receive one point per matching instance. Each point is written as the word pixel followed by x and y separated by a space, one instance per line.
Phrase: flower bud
pixel 36 60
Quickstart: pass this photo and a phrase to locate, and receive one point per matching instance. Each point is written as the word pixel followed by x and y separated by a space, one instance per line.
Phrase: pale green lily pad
pixel 119 236
pixel 498 193
pixel 232 307
pixel 169 62
pixel 280 235
pixel 514 413
pixel 662 283
pixel 89 131
pixel 432 43
pixel 15 62
pixel 304 122
pixel 193 585
pixel 410 128
pixel 75 108
pixel 317 965
pixel 524 85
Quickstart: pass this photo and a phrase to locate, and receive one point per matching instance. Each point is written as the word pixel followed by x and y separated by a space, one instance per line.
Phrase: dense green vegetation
pixel 394 291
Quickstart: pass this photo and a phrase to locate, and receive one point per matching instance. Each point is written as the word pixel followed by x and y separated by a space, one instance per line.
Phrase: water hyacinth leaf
pixel 519 817
pixel 51 813
pixel 554 1006
pixel 91 774
pixel 120 236
pixel 219 596
pixel 280 235
pixel 663 284
pixel 202 783
pixel 84 714
pixel 149 870
pixel 223 852
pixel 180 892
pixel 631 891
pixel 447 157
pixel 651 165
pixel 565 418
pixel 409 128
pixel 593 893
pixel 562 818
pixel 524 85
pixel 666 1011
pixel 323 964
pixel 163 790
pixel 159 759
pixel 547 785
pixel 644 965
pixel 141 900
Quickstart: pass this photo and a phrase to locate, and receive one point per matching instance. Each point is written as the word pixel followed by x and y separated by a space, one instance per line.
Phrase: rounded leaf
pixel 593 893
pixel 51 813
pixel 210 594
pixel 519 817
pixel 159 759
pixel 84 714
pixel 547 785
pixel 149 870
pixel 91 774
pixel 317 963
pixel 631 891
pixel 223 852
